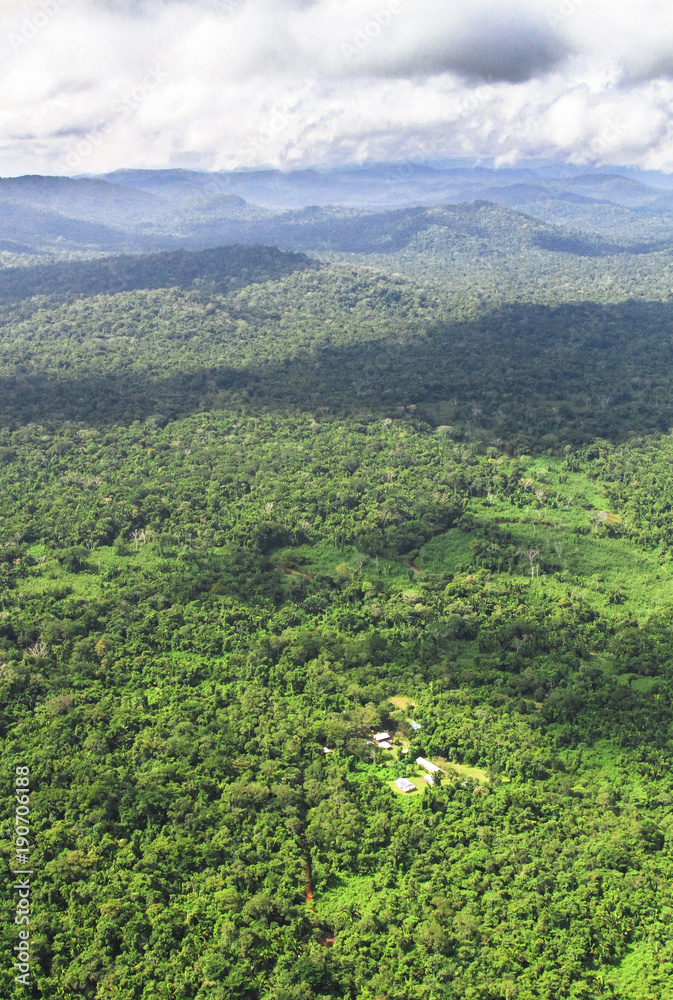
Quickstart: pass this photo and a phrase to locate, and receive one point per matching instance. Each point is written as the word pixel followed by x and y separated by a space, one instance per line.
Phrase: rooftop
pixel 427 765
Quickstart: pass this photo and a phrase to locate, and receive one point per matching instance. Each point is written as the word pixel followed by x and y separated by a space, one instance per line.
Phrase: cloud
pixel 430 38
pixel 638 39
pixel 92 85
pixel 509 55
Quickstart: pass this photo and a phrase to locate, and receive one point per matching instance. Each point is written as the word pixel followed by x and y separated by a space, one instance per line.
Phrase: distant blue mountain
pixel 347 209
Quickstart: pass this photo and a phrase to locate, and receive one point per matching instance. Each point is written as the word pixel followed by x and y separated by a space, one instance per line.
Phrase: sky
pixel 89 86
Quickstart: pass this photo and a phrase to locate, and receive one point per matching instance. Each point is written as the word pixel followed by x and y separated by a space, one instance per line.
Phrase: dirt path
pixel 309 887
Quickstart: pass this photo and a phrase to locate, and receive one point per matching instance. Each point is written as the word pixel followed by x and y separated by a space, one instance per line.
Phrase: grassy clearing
pixel 402 702
pixel 51 577
pixel 445 553
pixel 462 770
pixel 610 573
pixel 415 779
pixel 452 770
pixel 301 561
pixel 345 561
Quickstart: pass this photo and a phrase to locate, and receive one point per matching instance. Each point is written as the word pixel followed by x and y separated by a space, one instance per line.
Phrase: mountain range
pixel 366 210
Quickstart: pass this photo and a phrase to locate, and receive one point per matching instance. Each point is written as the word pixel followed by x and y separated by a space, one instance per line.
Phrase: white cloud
pixel 92 85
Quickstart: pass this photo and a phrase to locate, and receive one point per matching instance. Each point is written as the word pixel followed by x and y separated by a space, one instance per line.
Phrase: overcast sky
pixel 88 86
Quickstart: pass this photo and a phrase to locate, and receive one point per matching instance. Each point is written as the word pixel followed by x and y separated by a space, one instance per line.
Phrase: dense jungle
pixel 260 505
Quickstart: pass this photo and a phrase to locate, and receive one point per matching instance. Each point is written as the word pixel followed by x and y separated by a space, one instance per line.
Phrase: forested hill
pixel 607 252
pixel 520 375
pixel 221 269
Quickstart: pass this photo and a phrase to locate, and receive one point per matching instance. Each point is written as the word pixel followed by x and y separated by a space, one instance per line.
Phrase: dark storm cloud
pixel 504 51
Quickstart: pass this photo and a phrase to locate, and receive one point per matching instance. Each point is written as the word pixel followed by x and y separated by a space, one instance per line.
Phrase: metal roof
pixel 428 765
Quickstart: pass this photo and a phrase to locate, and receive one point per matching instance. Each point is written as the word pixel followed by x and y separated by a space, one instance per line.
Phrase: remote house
pixel 405 785
pixel 428 766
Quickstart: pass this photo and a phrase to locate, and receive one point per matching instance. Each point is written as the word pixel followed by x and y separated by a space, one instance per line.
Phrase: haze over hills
pixel 521 234
pixel 388 185
pixel 338 210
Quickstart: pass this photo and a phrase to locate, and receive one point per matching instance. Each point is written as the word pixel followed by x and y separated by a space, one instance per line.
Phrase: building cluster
pixel 433 774
pixel 383 740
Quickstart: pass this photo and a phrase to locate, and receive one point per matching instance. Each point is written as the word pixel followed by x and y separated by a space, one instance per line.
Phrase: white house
pixel 377 737
pixel 385 745
pixel 427 765
pixel 405 785
pixel 429 780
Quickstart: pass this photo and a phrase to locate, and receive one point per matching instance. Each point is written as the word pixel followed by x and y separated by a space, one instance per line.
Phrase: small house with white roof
pixel 428 766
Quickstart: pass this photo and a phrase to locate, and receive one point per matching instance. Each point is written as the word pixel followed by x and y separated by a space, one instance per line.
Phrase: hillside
pixel 174 340
pixel 221 269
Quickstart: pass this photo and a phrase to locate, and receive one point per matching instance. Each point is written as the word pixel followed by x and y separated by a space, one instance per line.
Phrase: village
pixel 384 741
pixel 425 771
